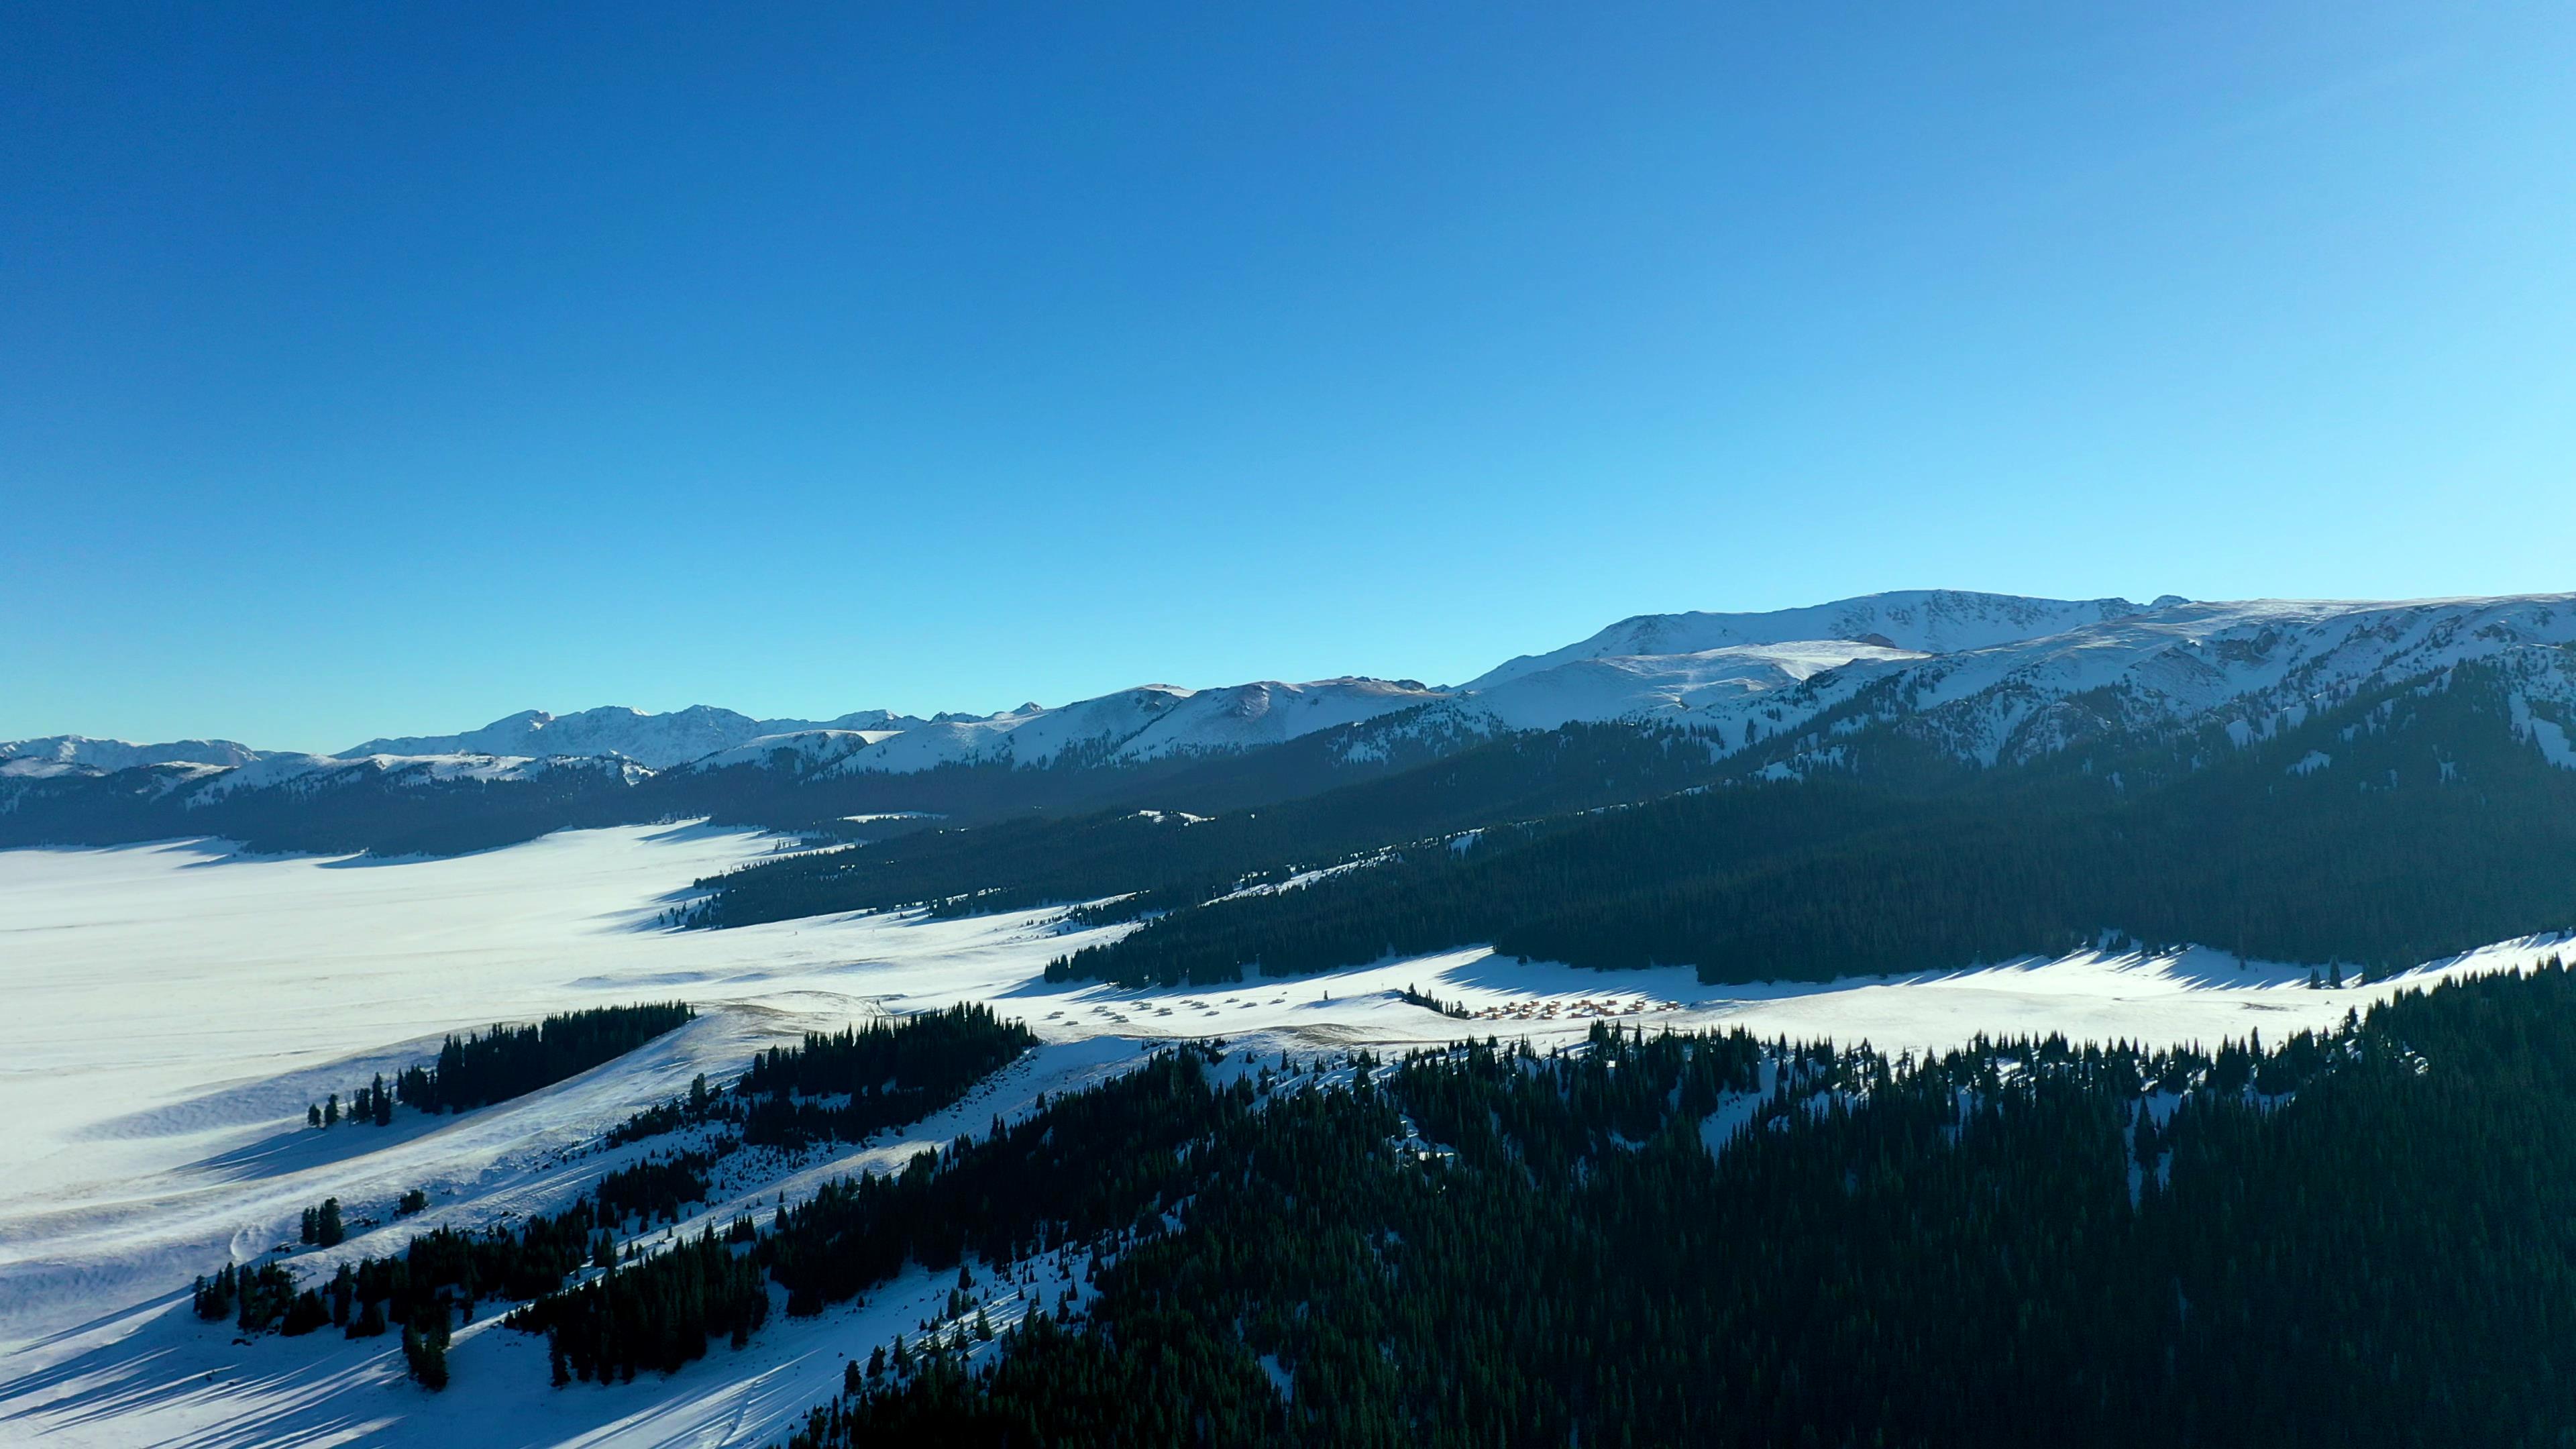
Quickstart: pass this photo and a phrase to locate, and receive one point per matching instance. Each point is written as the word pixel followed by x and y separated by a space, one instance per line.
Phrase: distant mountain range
pixel 1978 679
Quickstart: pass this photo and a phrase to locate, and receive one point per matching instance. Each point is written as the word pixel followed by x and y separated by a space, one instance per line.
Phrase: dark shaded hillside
pixel 2433 829
pixel 1174 861
pixel 345 813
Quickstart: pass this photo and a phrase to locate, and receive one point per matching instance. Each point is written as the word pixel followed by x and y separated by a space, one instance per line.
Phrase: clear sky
pixel 372 369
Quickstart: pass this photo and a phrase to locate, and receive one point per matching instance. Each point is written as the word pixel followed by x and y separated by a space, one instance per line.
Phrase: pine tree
pixel 425 1346
pixel 304 1315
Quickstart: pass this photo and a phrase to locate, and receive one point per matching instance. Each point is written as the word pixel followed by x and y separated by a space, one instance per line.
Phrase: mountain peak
pixel 1922 621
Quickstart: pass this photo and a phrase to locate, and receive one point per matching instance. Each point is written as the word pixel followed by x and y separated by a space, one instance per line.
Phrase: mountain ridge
pixel 2017 680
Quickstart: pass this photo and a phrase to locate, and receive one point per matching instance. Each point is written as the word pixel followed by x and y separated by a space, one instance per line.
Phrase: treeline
pixel 656 1314
pixel 891 1072
pixel 2355 1237
pixel 2435 829
pixel 660 1310
pixel 1088 1164
pixel 507 1061
pixel 444 1273
pixel 511 1061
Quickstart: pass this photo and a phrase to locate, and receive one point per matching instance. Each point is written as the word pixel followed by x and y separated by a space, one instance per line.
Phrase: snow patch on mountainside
pixel 2548 734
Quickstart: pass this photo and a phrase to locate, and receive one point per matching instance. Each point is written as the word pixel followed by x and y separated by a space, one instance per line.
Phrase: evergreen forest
pixel 2357 1236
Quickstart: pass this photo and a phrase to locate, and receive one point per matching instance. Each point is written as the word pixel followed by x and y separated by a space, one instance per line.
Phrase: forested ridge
pixel 2434 829
pixel 2360 1237
pixel 2363 1235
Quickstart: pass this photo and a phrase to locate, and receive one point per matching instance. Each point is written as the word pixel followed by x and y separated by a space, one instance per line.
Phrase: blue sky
pixel 378 369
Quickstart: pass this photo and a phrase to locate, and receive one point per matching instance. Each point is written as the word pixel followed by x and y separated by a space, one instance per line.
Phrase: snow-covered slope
pixel 1922 621
pixel 1660 686
pixel 2255 666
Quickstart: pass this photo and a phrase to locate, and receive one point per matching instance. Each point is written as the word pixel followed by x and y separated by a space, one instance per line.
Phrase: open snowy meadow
pixel 172 1008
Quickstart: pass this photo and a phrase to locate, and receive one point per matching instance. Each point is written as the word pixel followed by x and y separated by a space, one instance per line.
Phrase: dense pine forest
pixel 873 1077
pixel 506 1061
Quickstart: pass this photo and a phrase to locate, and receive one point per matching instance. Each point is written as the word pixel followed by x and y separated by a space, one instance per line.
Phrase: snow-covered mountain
pixel 657 741
pixel 1984 678
pixel 1921 621
pixel 1154 721
pixel 2256 666
pixel 280 769
pixel 1149 722
pixel 79 754
pixel 1988 678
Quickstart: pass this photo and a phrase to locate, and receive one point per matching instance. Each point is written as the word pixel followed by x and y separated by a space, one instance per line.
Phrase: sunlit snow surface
pixel 172 1008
